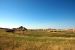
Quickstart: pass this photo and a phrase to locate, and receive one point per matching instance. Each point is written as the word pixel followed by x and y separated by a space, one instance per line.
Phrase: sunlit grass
pixel 37 41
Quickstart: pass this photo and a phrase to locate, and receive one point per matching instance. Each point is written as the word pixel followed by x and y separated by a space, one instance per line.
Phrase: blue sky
pixel 37 13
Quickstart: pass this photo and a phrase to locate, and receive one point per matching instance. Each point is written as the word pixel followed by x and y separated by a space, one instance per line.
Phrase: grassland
pixel 37 40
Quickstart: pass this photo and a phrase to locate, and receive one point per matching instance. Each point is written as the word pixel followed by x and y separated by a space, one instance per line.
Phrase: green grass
pixel 37 40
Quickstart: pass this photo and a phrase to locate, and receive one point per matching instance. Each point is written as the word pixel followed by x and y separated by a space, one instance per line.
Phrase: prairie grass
pixel 37 40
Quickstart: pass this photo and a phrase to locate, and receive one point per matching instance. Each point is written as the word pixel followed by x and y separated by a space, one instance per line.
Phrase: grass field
pixel 37 40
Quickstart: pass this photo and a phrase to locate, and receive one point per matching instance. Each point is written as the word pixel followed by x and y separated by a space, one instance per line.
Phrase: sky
pixel 37 14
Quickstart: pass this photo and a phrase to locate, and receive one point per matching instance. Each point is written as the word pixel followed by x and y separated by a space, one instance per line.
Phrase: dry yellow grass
pixel 36 41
